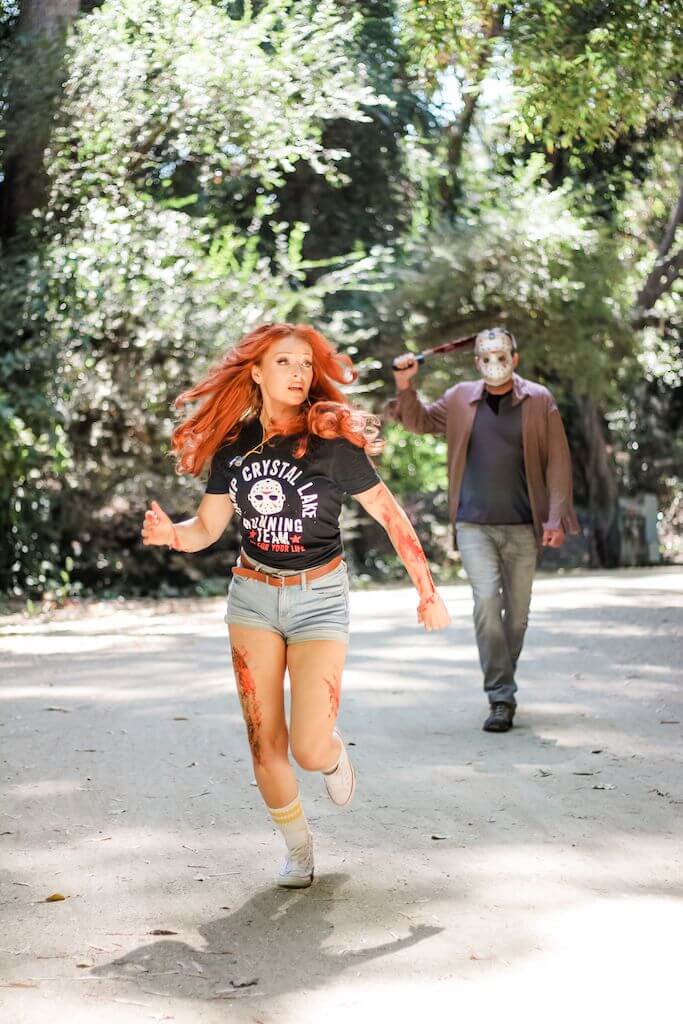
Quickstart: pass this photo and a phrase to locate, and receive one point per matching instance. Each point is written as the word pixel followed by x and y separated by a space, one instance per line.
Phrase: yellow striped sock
pixel 291 821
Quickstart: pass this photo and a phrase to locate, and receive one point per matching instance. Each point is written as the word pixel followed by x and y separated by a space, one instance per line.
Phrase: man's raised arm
pixel 407 408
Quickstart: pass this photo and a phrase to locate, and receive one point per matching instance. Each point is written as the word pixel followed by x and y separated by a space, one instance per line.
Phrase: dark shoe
pixel 500 719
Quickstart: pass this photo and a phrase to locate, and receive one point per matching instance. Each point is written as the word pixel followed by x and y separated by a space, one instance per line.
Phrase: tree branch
pixel 665 271
pixel 659 281
pixel 675 219
pixel 457 131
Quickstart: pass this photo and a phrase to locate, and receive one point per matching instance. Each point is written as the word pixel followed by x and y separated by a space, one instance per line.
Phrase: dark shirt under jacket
pixel 494 486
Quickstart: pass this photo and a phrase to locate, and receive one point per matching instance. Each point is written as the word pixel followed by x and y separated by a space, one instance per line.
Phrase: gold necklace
pixel 257 450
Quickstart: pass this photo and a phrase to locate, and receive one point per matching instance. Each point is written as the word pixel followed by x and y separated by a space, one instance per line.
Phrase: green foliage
pixel 156 86
pixel 412 464
pixel 523 258
pixel 127 286
pixel 212 165
pixel 593 72
pixel 448 35
pixel 381 177
pixel 582 72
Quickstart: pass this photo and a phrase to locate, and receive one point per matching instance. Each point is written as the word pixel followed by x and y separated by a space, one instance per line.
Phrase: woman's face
pixel 285 372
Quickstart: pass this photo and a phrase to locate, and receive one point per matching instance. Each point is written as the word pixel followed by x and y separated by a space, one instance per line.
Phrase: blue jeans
pixel 500 562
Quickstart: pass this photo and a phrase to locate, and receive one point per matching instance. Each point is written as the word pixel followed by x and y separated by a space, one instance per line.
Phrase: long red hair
pixel 229 397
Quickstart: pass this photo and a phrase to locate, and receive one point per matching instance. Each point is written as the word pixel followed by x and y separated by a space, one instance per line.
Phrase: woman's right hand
pixel 157 528
pixel 432 613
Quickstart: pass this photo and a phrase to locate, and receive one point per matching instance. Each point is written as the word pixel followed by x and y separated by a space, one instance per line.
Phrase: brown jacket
pixel 547 461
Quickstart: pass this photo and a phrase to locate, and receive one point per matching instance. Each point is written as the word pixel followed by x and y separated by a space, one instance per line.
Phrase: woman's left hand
pixel 432 613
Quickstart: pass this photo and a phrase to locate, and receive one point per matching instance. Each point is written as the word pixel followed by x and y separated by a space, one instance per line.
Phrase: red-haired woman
pixel 285 447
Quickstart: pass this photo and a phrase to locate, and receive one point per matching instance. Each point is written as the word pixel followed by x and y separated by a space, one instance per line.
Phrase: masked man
pixel 510 492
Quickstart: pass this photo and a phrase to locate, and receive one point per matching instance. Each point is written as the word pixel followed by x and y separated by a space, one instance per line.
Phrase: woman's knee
pixel 267 749
pixel 310 753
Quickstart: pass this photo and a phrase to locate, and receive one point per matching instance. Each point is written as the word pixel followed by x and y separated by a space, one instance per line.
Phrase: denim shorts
pixel 315 610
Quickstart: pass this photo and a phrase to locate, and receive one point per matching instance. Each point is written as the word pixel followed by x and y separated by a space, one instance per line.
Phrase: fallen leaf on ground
pixel 84 964
pixel 438 836
pixel 604 785
pixel 180 718
pixel 244 984
pixel 161 931
pixel 56 897
pixel 586 773
pixel 65 711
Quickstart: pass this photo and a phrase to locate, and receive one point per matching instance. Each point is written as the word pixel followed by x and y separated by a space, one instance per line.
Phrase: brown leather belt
pixel 284 581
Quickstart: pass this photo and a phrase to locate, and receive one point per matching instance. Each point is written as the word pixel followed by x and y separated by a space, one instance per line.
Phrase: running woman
pixel 285 447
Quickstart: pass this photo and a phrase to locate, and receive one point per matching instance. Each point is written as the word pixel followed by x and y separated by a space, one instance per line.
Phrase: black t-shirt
pixel 289 507
pixel 494 487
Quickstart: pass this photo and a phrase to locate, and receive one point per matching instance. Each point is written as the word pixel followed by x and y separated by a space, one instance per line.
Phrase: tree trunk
pixel 458 131
pixel 49 16
pixel 602 489
pixel 39 38
pixel 600 470
pixel 666 268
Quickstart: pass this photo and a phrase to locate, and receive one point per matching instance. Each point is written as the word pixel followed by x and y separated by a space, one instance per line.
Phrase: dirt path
pixel 539 870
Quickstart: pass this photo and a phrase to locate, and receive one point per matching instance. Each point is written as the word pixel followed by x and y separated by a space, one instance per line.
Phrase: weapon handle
pixel 419 358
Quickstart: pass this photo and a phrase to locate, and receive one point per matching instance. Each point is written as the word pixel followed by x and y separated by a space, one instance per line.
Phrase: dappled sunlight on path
pixel 472 869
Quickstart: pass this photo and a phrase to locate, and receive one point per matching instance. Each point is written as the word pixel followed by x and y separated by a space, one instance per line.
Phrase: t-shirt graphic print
pixel 289 507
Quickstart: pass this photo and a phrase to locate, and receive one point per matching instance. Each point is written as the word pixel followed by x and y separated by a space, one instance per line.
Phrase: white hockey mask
pixel 495 350
pixel 267 497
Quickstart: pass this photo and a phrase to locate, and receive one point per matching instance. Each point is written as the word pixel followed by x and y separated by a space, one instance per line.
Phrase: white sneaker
pixel 341 783
pixel 297 868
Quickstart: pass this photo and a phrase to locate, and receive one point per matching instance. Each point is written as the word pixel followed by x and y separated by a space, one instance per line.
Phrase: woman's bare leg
pixel 259 661
pixel 315 672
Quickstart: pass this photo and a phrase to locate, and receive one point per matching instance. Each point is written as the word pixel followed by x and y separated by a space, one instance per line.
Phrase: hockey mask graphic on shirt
pixel 495 349
pixel 267 497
